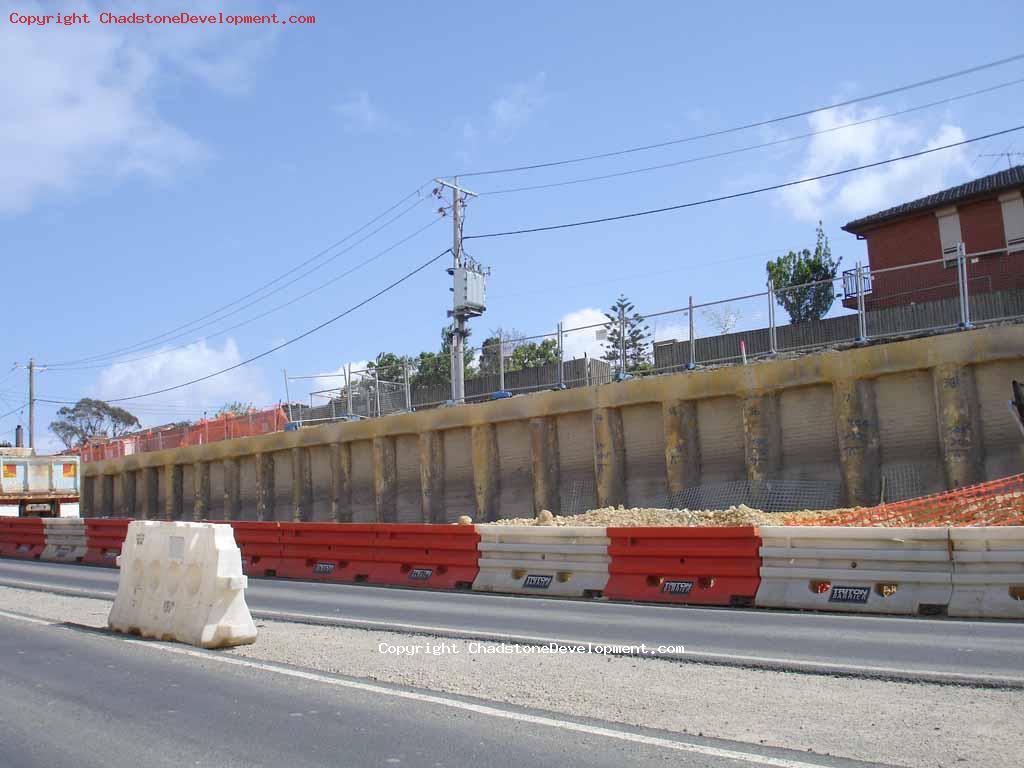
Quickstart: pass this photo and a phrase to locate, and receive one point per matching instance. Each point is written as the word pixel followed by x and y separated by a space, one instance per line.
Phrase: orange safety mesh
pixel 996 502
pixel 212 430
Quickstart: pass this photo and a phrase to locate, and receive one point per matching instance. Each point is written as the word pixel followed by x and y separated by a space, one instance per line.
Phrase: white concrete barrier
pixel 184 582
pixel 988 572
pixel 542 560
pixel 65 540
pixel 868 570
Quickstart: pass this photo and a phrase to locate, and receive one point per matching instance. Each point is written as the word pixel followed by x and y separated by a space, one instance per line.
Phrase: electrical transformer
pixel 470 291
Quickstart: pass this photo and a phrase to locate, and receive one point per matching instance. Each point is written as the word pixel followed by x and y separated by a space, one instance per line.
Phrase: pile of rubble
pixel 644 516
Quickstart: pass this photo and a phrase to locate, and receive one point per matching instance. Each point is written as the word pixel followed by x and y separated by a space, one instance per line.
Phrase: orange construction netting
pixel 996 502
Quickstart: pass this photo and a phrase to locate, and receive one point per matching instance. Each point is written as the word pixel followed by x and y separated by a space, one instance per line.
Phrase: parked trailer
pixel 38 486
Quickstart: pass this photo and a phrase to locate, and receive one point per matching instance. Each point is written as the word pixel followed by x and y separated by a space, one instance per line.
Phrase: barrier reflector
pixel 701 566
pixel 260 543
pixel 438 556
pixel 65 539
pixel 103 539
pixel 22 537
pixel 327 551
pixel 988 572
pixel 543 560
pixel 183 582
pixel 865 570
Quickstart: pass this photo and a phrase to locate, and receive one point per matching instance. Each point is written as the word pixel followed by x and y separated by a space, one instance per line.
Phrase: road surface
pixel 900 645
pixel 77 697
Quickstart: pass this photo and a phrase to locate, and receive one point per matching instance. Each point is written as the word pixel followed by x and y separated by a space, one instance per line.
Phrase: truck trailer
pixel 38 486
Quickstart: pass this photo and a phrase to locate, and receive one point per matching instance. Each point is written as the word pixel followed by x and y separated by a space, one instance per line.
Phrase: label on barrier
pixel 849 594
pixel 871 570
pixel 677 587
pixel 420 574
pixel 537 581
pixel 323 568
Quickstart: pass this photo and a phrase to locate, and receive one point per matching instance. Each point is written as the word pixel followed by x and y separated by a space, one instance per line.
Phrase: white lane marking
pixel 443 701
pixel 770 663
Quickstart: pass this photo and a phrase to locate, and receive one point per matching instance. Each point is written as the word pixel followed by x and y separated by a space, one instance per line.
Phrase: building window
pixel 949 234
pixel 1013 220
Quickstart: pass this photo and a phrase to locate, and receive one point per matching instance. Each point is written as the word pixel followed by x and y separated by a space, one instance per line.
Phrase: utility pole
pixel 31 403
pixel 460 311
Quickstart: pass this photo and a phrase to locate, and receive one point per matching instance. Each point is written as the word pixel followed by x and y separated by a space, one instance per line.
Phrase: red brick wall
pixel 916 239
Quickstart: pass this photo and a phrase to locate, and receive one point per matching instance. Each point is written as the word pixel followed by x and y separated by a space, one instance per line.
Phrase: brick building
pixel 986 215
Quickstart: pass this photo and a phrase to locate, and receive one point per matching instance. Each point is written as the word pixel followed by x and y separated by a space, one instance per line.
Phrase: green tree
pixel 234 408
pixel 533 355
pixel 436 367
pixel 390 367
pixel 623 316
pixel 91 418
pixel 788 273
pixel 499 342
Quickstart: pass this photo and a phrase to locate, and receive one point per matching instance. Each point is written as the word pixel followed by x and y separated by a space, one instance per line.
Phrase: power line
pixel 163 336
pixel 291 341
pixel 764 145
pixel 746 193
pixel 747 126
pixel 260 316
pixel 15 410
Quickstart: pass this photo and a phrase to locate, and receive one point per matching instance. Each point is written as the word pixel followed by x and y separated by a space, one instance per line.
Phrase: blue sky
pixel 150 175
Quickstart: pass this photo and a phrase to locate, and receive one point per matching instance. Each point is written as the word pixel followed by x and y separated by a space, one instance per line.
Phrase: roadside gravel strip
pixel 873 720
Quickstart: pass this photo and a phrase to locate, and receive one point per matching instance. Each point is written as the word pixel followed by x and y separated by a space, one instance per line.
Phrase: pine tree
pixel 623 315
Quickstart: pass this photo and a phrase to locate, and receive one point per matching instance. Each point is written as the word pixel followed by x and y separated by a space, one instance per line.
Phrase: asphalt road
pixel 902 646
pixel 76 697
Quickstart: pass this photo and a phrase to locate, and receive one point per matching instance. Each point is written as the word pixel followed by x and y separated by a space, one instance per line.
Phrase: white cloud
pixel 360 115
pixel 79 102
pixel 578 343
pixel 506 115
pixel 175 366
pixel 865 192
pixel 514 108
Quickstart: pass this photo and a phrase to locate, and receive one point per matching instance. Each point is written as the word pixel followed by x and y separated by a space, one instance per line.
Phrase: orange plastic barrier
pixel 439 556
pixel 702 566
pixel 327 551
pixel 996 502
pixel 22 537
pixel 104 537
pixel 260 543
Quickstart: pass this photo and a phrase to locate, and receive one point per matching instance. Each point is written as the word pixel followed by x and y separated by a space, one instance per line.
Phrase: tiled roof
pixel 986 185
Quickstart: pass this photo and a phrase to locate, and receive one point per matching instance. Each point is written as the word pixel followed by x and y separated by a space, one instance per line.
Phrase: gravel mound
pixel 646 516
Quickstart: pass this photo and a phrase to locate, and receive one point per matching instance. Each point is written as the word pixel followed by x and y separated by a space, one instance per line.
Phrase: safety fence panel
pixel 867 570
pixel 327 551
pixel 260 543
pixel 702 566
pixel 440 556
pixel 103 540
pixel 547 560
pixel 65 540
pixel 22 537
pixel 988 572
pixel 183 582
pixel 994 502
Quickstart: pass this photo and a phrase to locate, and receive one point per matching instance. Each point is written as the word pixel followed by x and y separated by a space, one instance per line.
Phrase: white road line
pixel 443 701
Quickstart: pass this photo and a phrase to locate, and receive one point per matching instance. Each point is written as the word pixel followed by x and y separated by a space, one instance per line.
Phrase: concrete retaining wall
pixel 932 410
